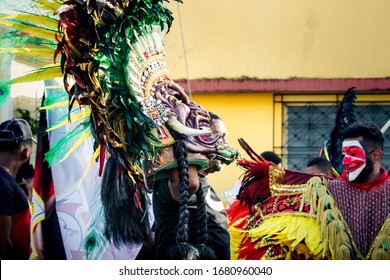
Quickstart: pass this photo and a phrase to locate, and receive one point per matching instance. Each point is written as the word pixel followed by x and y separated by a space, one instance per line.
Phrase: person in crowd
pixel 271 157
pixel 216 213
pixel 16 144
pixel 319 166
pixel 286 214
pixel 363 180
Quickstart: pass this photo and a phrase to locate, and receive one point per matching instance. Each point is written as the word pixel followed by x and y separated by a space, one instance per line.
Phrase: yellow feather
pixel 55 105
pixel 78 143
pixel 36 62
pixel 36 57
pixel 49 5
pixel 291 230
pixel 38 20
pixel 237 236
pixel 32 30
pixel 94 157
pixel 74 117
pixel 28 55
pixel 46 73
pixel 27 51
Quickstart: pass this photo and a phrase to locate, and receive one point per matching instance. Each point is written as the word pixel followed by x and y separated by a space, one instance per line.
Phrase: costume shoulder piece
pixel 291 215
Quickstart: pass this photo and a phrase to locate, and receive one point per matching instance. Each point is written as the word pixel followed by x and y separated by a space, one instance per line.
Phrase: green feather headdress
pixel 113 51
pixel 110 55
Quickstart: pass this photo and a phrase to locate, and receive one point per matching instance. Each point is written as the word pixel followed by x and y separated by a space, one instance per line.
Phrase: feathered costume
pixel 111 57
pixel 285 214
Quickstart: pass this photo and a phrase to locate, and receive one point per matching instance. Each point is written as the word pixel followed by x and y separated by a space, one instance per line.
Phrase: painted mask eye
pixel 353 151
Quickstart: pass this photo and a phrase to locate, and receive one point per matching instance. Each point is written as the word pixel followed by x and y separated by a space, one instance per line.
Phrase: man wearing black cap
pixel 16 140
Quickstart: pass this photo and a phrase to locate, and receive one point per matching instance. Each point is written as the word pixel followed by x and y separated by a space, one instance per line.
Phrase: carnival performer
pixel 207 215
pixel 144 125
pixel 319 166
pixel 285 214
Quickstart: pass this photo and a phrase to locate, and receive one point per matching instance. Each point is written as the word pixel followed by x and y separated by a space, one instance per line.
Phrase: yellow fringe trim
pixel 380 249
pixel 334 230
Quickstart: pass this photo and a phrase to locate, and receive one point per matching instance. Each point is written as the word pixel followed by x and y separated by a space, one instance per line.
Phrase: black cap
pixel 15 130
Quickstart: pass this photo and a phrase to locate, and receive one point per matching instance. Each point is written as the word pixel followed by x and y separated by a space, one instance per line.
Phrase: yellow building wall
pixel 272 39
pixel 246 115
pixel 279 39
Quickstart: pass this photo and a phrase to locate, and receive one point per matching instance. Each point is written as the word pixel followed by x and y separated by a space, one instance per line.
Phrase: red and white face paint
pixel 354 158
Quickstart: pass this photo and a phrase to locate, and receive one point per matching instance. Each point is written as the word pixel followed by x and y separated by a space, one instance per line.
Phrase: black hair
pixel 214 116
pixel 322 163
pixel 369 131
pixel 11 146
pixel 26 172
pixel 183 248
pixel 271 156
pixel 125 222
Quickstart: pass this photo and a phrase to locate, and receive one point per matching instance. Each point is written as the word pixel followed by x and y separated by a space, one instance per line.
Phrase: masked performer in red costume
pixel 284 214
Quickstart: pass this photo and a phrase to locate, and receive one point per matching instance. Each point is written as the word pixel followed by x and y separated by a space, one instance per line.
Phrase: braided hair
pixel 183 248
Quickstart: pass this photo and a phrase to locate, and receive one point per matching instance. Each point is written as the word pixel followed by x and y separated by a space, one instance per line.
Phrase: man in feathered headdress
pixel 111 58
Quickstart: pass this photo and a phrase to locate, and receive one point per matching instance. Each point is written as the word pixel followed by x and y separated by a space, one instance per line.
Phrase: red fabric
pixel 20 234
pixel 368 186
pixel 46 233
pixel 292 177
